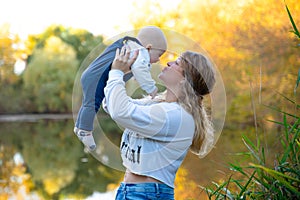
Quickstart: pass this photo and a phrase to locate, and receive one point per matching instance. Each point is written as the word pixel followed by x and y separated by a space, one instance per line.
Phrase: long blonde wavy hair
pixel 199 81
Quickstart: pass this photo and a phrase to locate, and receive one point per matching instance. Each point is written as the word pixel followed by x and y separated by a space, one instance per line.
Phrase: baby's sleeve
pixel 141 72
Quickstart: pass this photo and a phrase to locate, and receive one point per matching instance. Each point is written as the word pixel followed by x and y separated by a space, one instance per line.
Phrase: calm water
pixel 58 164
pixel 53 156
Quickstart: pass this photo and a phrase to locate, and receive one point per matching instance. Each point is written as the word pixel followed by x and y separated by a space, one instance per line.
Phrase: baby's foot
pixel 86 137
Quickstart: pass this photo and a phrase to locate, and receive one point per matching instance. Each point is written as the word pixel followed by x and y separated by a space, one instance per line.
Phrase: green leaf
pixel 220 187
pixel 280 177
pixel 290 100
pixel 286 127
pixel 249 142
pixel 260 181
pixel 280 111
pixel 285 154
pixel 276 122
pixel 251 147
pixel 298 142
pixel 248 182
pixel 237 182
pixel 238 168
pixel 263 154
pixel 297 84
pixel 293 23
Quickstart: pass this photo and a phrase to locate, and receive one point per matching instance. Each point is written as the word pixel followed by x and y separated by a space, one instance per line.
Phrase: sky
pixel 105 17
pixel 100 17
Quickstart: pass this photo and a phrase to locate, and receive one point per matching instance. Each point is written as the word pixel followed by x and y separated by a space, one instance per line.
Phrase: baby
pixel 151 43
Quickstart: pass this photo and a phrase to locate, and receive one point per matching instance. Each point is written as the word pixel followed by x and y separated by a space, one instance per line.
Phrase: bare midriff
pixel 130 177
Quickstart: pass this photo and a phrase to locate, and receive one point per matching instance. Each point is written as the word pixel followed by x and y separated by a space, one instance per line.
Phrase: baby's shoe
pixel 86 137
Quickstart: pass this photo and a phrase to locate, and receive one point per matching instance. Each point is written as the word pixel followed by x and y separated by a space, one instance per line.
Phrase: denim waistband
pixel 147 187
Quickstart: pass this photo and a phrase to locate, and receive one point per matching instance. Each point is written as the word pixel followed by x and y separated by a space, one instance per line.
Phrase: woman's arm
pixel 161 121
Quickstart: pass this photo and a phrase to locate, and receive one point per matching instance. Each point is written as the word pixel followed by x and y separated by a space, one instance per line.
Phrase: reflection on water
pixel 45 156
pixel 48 152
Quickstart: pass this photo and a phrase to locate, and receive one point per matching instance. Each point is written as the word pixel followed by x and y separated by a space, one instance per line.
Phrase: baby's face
pixel 155 55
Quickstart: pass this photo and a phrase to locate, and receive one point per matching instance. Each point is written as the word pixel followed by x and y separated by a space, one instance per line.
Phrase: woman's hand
pixel 122 61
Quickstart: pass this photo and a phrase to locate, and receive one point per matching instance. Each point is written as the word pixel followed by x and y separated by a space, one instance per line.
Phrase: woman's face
pixel 172 74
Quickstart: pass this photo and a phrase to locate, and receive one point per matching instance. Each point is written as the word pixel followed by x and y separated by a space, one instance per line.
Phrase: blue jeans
pixel 143 191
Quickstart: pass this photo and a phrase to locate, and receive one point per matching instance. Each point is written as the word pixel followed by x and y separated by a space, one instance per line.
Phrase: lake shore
pixel 33 117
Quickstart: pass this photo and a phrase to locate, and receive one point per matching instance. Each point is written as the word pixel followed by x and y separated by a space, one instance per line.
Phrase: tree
pixel 7 56
pixel 50 74
pixel 10 82
pixel 80 40
pixel 73 46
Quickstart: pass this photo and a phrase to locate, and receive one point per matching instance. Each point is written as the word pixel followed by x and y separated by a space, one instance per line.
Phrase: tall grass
pixel 258 181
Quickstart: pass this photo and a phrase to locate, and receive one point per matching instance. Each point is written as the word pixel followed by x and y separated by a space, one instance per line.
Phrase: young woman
pixel 159 132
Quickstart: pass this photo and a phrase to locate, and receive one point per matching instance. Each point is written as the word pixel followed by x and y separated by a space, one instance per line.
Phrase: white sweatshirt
pixel 157 136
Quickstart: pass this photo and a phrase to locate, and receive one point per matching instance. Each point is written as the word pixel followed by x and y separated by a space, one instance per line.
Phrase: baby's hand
pixel 153 94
